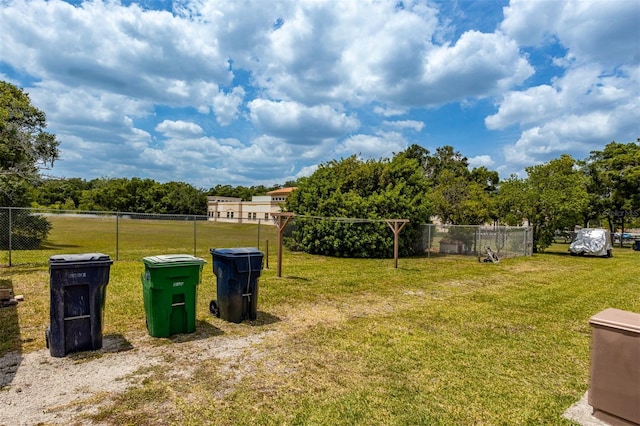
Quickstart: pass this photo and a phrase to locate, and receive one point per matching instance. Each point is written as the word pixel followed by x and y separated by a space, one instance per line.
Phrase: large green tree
pixel 460 196
pixel 25 146
pixel 614 175
pixel 553 196
pixel 25 149
pixel 352 188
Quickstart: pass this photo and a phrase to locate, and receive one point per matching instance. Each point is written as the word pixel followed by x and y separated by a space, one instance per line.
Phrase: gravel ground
pixel 37 388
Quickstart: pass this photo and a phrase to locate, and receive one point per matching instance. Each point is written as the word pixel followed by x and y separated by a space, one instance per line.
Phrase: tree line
pixel 134 195
pixel 415 184
pixel 601 190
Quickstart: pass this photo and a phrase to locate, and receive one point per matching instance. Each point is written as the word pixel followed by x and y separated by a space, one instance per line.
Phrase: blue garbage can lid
pixel 169 260
pixel 239 251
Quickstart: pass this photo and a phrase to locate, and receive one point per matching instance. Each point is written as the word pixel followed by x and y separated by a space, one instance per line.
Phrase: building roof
pixel 282 191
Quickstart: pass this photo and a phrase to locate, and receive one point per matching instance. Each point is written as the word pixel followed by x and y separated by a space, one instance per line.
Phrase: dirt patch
pixel 38 388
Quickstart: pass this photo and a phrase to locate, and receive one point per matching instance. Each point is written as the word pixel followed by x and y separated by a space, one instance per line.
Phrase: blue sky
pixel 261 92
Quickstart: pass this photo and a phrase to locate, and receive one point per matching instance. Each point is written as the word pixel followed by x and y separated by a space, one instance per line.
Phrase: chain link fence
pixel 31 236
pixel 428 239
pixel 506 241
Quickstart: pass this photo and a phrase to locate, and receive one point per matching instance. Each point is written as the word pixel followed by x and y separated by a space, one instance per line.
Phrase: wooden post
pixel 281 219
pixel 395 226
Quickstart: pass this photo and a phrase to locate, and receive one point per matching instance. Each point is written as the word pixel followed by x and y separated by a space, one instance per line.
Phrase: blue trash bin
pixel 237 271
pixel 78 285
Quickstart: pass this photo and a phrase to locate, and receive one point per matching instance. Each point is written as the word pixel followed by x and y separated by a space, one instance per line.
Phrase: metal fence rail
pixel 31 236
pixel 123 236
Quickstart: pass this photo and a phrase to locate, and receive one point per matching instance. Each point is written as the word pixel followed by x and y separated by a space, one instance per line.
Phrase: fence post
pixel 395 226
pixel 117 234
pixel 194 236
pixel 9 236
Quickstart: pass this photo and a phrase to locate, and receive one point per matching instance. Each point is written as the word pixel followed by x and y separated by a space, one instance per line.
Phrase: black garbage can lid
pixel 63 260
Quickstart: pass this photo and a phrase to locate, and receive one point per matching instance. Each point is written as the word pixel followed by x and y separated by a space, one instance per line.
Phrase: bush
pixel 27 230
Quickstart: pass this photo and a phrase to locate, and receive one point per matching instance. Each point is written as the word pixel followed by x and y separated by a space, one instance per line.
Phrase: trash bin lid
pixel 618 319
pixel 82 259
pixel 169 260
pixel 233 252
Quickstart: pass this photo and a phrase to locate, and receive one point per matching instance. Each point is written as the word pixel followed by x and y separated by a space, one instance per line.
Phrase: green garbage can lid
pixel 168 260
pixel 63 260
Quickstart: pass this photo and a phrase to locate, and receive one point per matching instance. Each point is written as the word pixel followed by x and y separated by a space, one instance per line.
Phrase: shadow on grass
pixel 10 343
pixel 24 269
pixel 294 277
pixel 52 246
pixel 204 330
pixel 264 318
pixel 111 343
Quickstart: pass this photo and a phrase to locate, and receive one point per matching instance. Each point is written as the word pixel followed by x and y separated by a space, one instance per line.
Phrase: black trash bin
pixel 237 271
pixel 78 289
pixel 636 245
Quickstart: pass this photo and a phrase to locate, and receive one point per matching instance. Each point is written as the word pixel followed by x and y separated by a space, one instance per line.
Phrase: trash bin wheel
pixel 213 308
pixel 46 338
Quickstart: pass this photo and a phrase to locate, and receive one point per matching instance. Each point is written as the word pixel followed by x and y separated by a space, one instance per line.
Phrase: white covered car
pixel 592 241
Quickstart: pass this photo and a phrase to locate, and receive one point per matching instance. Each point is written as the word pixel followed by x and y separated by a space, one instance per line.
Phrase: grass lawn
pixel 440 340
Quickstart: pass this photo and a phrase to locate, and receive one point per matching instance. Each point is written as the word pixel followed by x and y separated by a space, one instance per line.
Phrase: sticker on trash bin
pixel 78 275
pixel 178 284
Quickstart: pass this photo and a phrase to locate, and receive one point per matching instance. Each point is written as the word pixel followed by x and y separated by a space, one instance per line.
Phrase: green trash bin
pixel 170 288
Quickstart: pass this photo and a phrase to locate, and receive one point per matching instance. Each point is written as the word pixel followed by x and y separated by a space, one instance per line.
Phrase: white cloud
pixel 595 100
pixel 300 124
pixel 307 171
pixel 226 106
pixel 179 129
pixel 603 31
pixel 481 160
pixel 389 112
pixel 569 133
pixel 406 124
pixel 247 91
pixel 382 145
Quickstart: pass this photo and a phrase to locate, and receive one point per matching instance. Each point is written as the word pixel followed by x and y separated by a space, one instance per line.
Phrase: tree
pixel 61 194
pixel 25 149
pixel 460 196
pixel 182 198
pixel 615 178
pixel 25 146
pixel 552 197
pixel 351 188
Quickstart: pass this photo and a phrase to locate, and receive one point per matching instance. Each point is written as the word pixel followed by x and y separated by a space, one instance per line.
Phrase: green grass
pixel 440 340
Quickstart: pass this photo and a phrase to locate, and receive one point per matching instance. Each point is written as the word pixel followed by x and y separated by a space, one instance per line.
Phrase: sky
pixel 261 92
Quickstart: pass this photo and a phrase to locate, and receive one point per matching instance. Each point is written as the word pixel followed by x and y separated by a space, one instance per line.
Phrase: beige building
pixel 234 210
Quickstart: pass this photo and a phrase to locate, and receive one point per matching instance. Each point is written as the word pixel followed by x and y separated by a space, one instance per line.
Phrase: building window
pixel 218 214
pixel 254 216
pixel 266 216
